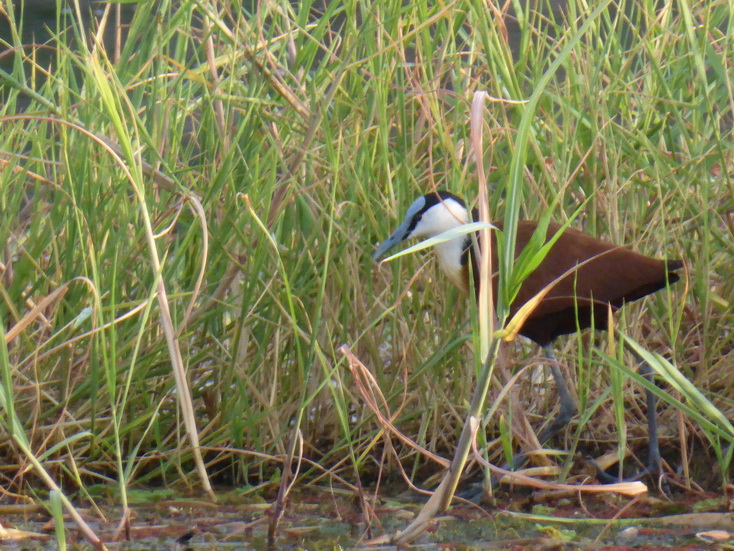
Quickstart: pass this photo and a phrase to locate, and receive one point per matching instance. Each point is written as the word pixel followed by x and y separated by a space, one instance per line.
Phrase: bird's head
pixel 428 216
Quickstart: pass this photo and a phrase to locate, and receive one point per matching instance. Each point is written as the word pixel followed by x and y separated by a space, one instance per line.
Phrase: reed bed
pixel 191 200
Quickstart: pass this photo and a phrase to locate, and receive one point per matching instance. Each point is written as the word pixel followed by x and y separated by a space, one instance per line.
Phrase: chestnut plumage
pixel 596 274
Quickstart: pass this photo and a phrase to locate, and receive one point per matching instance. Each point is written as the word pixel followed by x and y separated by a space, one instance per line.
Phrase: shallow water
pixel 325 520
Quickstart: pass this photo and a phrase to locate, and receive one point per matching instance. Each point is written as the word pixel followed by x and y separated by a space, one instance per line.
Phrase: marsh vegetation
pixel 190 207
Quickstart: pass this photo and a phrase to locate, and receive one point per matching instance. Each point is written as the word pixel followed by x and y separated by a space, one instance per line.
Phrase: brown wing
pixel 589 274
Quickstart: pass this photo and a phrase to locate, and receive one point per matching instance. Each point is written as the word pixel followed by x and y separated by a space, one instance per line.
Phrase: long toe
pixel 652 470
pixel 476 493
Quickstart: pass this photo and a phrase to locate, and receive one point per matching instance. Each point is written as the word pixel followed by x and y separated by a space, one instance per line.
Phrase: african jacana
pixel 599 274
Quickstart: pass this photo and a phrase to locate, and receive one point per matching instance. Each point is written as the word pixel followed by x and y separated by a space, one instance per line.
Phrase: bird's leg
pixel 565 413
pixel 653 443
pixel 568 405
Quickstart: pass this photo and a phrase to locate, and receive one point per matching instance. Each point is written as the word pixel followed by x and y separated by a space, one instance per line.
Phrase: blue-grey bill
pixel 388 244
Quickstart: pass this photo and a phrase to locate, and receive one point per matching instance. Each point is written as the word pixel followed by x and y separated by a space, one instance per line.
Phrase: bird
pixel 589 276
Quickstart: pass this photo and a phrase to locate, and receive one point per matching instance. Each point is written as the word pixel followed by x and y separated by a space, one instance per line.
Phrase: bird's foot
pixel 652 470
pixel 481 490
pixel 478 491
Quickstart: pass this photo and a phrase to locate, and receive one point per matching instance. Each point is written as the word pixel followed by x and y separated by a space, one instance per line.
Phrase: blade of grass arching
pixel 695 405
pixel 700 407
pixel 441 238
pixel 535 252
pixel 513 327
pixel 713 430
pixel 517 167
pixel 99 334
pixel 113 99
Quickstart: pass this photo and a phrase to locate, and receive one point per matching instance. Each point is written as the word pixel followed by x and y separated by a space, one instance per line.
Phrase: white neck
pixel 440 218
pixel 449 256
